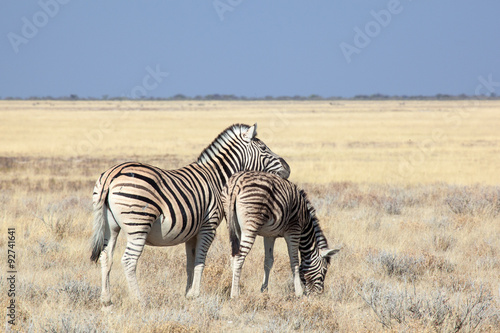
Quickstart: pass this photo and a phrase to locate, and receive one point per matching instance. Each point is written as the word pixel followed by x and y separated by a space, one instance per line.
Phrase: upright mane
pixel 228 134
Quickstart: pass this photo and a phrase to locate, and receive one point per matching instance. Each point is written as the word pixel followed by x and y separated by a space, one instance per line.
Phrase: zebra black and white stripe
pixel 258 203
pixel 169 207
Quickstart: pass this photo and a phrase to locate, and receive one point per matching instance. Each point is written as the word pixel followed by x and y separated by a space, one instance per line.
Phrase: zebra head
pixel 260 157
pixel 312 272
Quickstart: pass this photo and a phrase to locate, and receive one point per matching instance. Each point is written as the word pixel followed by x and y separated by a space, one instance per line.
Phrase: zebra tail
pixel 232 221
pixel 100 221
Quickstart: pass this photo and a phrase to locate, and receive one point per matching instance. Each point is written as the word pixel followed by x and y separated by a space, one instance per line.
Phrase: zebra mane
pixel 318 233
pixel 224 136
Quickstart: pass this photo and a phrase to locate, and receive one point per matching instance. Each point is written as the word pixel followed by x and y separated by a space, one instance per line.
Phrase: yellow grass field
pixel 409 189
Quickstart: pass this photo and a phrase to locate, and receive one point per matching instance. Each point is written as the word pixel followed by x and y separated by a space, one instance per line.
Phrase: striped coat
pixel 168 207
pixel 257 203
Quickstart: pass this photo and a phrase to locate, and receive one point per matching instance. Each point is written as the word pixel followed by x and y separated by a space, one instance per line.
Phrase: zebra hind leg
pixel 111 233
pixel 268 261
pixel 190 258
pixel 246 244
pixel 133 251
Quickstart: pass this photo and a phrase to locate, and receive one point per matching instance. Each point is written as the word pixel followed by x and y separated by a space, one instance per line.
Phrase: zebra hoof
pixel 192 294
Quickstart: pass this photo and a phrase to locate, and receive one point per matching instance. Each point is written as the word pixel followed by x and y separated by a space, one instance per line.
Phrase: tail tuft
pixel 231 192
pixel 235 242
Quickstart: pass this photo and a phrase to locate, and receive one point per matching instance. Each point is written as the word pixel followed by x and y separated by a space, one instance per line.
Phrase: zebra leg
pixel 246 244
pixel 190 257
pixel 110 235
pixel 268 261
pixel 135 246
pixel 292 243
pixel 204 240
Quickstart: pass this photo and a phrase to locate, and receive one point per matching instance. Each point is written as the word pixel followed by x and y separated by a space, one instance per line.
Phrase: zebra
pixel 168 207
pixel 257 203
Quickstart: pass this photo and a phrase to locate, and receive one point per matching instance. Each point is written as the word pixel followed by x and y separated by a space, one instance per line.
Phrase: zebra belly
pixel 162 233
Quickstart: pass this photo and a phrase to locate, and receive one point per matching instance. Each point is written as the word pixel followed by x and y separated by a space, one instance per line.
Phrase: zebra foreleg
pixel 205 238
pixel 292 243
pixel 190 258
pixel 129 261
pixel 268 261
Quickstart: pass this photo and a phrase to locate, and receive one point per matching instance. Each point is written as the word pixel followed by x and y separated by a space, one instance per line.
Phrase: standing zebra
pixel 258 203
pixel 165 208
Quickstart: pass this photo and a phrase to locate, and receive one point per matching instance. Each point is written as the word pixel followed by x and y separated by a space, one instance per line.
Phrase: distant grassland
pixel 388 142
pixel 409 189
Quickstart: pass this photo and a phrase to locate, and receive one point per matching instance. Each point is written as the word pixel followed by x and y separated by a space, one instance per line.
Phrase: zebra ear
pixel 250 133
pixel 326 253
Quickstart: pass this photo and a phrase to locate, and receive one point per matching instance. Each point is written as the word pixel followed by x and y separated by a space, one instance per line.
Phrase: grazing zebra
pixel 169 207
pixel 258 203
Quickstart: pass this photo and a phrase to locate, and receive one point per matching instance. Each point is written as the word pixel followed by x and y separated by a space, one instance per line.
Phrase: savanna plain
pixel 409 189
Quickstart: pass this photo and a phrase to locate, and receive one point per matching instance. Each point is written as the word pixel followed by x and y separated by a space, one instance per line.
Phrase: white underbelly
pixel 162 233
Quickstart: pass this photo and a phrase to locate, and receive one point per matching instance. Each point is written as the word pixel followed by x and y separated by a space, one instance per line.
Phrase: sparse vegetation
pixel 420 253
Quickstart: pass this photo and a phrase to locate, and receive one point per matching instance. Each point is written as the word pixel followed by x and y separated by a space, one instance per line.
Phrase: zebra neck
pixel 320 237
pixel 219 169
pixel 224 156
pixel 312 239
pixel 309 258
pixel 308 246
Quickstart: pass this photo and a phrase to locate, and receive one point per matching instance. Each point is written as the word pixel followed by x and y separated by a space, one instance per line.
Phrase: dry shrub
pixel 59 216
pixel 399 266
pixel 169 326
pixel 443 242
pixel 406 267
pixel 439 310
pixel 217 279
pixel 340 289
pixel 388 199
pixel 308 314
pixel 392 206
pixel 432 263
pixel 81 293
pixel 7 163
pixel 474 201
pixel 350 199
pixel 217 275
pixel 34 293
pixel 70 322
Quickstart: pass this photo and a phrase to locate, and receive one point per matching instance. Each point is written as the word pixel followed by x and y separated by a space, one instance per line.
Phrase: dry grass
pixel 420 247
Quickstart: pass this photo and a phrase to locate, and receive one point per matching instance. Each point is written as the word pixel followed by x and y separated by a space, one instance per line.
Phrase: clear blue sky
pixel 250 48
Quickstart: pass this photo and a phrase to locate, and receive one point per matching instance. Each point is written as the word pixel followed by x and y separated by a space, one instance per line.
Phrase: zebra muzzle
pixel 285 171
